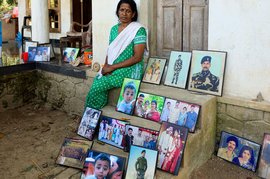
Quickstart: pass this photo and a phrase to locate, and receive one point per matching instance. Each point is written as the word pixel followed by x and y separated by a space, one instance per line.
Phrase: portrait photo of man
pixel 228 152
pixel 141 165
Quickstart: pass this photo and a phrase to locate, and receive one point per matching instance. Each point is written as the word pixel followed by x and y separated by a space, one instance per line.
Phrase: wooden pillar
pixel 40 21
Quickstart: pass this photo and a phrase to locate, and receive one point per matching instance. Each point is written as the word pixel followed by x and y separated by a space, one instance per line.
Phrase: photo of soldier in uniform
pixel 178 67
pixel 141 163
pixel 207 71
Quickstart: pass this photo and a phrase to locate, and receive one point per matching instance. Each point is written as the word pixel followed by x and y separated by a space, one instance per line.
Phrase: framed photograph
pixel 178 68
pixel 103 165
pixel 264 164
pixel 30 44
pixel 141 162
pixel 207 72
pixel 73 152
pixel 181 113
pixel 171 144
pixel 239 151
pixel 128 94
pixel 140 136
pixel 149 106
pixel 154 70
pixel 32 52
pixel 89 123
pixel 70 54
pixel 52 54
pixel 112 131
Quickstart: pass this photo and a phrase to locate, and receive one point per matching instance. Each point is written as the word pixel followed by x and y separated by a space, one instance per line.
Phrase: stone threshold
pixel 243 102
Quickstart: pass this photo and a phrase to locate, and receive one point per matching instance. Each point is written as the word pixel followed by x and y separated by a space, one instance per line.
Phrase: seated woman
pixel 245 158
pixel 153 113
pixel 124 57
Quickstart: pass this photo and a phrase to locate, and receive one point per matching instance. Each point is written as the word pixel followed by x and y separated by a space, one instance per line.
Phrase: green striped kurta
pixel 98 95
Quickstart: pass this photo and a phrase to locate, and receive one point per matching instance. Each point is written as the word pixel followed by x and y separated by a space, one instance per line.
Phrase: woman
pixel 124 57
pixel 245 158
pixel 153 114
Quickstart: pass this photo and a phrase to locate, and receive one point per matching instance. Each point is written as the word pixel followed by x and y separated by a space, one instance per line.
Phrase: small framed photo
pixel 112 131
pixel 32 52
pixel 239 151
pixel 140 136
pixel 149 106
pixel 264 163
pixel 141 162
pixel 43 54
pixel 178 68
pixel 52 54
pixel 207 72
pixel 89 123
pixel 171 144
pixel 103 165
pixel 70 54
pixel 30 44
pixel 128 94
pixel 181 113
pixel 73 152
pixel 154 70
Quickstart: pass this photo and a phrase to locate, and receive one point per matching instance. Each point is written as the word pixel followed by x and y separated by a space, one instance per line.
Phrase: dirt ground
pixel 31 136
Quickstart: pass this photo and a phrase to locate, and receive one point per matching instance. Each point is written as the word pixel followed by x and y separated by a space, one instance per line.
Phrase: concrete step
pixel 200 145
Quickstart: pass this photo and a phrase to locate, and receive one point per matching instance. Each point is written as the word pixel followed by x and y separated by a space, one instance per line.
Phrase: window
pixel 54 14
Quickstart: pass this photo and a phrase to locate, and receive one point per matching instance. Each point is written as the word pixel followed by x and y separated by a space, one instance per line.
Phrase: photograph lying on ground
pixel 112 131
pixel 264 163
pixel 239 151
pixel 73 152
pixel 181 113
pixel 171 144
pixel 140 136
pixel 128 94
pixel 149 106
pixel 141 163
pixel 89 123
pixel 102 165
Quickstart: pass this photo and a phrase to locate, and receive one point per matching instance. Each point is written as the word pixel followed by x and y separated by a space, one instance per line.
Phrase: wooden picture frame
pixel 207 72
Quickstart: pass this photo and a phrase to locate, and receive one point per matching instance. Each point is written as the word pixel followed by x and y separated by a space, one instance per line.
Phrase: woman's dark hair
pixel 132 5
pixel 245 147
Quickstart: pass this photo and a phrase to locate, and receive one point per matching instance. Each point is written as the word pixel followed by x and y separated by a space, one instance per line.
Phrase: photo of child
pixel 99 165
pixel 129 91
pixel 70 54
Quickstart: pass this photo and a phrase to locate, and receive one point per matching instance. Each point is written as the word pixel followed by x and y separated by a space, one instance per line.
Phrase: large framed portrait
pixel 154 70
pixel 141 163
pixel 70 54
pixel 171 144
pixel 181 113
pixel 135 135
pixel 89 123
pixel 103 165
pixel 128 94
pixel 149 106
pixel 73 152
pixel 207 72
pixel 112 131
pixel 239 151
pixel 178 68
pixel 264 163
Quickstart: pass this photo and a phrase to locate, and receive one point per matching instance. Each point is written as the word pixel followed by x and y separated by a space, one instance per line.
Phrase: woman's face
pixel 153 105
pixel 117 175
pixel 125 13
pixel 246 155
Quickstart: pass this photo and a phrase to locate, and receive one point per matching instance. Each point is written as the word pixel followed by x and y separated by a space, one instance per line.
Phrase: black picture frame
pixel 207 72
pixel 238 145
pixel 102 134
pixel 154 70
pixel 170 153
pixel 52 53
pixel 148 99
pixel 264 161
pixel 88 124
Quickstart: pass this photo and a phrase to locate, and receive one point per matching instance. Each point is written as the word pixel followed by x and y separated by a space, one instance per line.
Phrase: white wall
pixel 242 28
pixel 104 17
